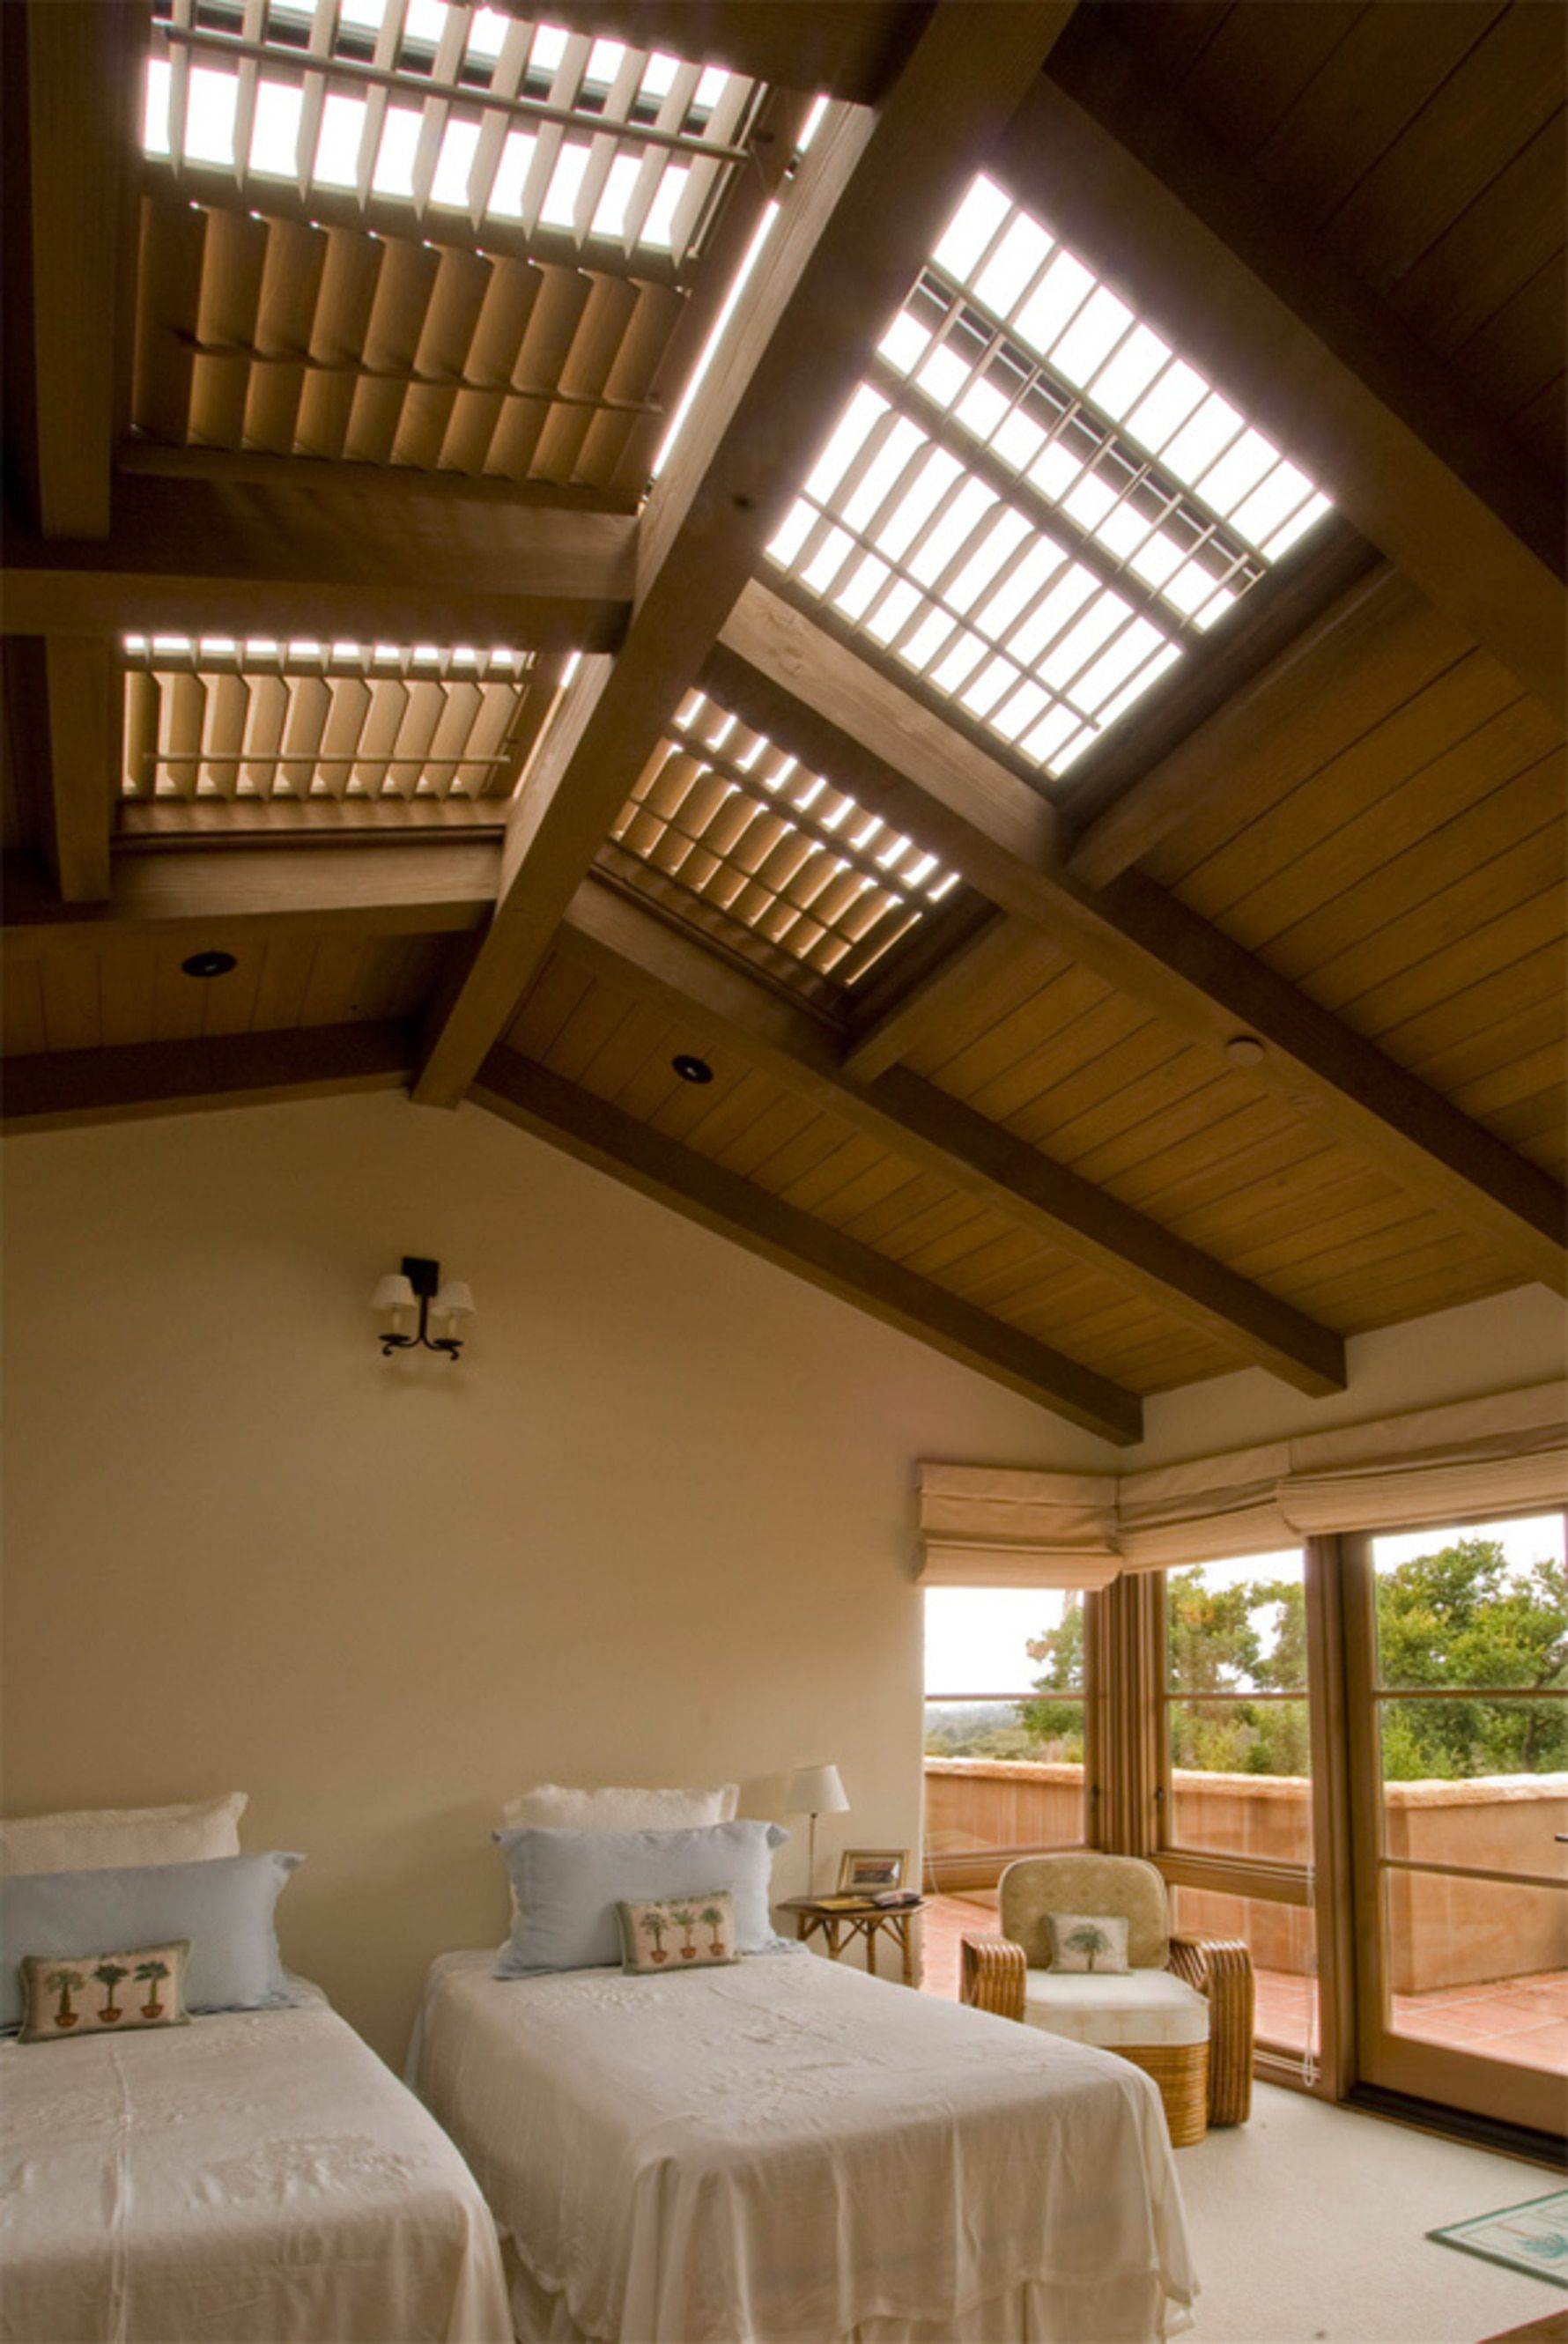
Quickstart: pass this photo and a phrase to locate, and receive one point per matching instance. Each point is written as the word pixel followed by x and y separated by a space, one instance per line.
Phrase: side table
pixel 840 1924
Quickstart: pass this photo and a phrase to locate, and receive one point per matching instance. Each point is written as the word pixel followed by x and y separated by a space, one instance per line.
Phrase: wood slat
pixel 64 1091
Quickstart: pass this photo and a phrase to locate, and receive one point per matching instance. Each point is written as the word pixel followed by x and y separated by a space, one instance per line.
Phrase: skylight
pixel 1033 502
pixel 795 863
pixel 446 106
pixel 214 717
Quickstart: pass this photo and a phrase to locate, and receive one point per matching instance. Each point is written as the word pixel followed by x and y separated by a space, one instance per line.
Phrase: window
pixel 1004 1728
pixel 1235 1709
pixel 1033 502
pixel 473 113
pixel 219 718
pixel 730 819
pixel 1237 1790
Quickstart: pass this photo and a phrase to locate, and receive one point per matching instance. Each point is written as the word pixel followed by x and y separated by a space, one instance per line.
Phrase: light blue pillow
pixel 569 1883
pixel 224 1905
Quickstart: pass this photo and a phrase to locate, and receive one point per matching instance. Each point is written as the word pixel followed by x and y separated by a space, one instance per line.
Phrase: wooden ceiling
pixel 1243 1036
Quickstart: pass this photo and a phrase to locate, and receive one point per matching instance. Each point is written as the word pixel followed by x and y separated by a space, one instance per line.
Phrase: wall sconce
pixel 419 1285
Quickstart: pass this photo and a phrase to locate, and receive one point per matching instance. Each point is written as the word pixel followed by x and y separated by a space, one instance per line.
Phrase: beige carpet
pixel 1308 2223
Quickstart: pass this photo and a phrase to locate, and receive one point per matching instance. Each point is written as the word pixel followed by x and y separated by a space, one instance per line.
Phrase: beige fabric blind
pixel 982 1527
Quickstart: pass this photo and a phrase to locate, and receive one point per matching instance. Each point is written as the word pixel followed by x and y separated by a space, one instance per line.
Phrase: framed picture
pixel 868 1871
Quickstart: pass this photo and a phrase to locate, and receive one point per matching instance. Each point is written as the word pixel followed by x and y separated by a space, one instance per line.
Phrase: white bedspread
pixel 256 2174
pixel 787 2152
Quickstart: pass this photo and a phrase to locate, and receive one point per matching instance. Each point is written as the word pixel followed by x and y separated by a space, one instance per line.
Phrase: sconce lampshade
pixel 393 1293
pixel 814 1791
pixel 454 1300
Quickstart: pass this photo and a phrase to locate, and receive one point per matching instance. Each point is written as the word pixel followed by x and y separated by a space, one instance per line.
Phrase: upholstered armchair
pixel 1182 2010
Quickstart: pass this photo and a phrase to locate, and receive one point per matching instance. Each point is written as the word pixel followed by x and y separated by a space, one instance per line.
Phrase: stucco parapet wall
pixel 1006 1769
pixel 1484 1791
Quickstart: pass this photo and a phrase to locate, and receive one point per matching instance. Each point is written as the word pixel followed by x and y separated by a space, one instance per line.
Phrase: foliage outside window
pixel 1486 1608
pixel 1235 1709
pixel 1020 1657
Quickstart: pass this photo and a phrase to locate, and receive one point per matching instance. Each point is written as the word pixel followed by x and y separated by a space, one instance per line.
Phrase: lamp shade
pixel 814 1791
pixel 393 1293
pixel 454 1300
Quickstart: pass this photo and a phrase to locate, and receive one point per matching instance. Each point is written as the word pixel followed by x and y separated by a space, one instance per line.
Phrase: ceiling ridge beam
pixel 525 1094
pixel 1202 247
pixel 918 1120
pixel 846 719
pixel 872 197
pixel 62 1089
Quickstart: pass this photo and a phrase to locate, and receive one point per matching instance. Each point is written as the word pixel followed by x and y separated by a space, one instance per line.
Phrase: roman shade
pixel 983 1527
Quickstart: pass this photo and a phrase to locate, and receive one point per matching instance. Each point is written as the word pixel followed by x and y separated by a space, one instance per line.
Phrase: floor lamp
pixel 814 1791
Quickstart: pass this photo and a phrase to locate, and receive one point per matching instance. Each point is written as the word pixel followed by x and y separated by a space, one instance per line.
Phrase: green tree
pixel 1460 1617
pixel 1055 1728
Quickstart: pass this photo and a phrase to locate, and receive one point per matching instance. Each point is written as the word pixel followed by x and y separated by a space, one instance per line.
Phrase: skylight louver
pixel 449 108
pixel 260 719
pixel 1033 502
pixel 790 860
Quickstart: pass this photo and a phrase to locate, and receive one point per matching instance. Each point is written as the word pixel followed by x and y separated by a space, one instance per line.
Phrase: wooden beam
pixel 1198 243
pixel 84 748
pixel 872 197
pixel 1345 641
pixel 427 887
pixel 335 559
pixel 778 671
pixel 59 1090
pixel 151 459
pixel 81 96
pixel 616 938
pixel 600 1135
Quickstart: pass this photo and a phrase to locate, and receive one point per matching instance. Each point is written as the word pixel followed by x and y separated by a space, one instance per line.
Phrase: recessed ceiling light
pixel 208 963
pixel 692 1070
pixel 1244 1050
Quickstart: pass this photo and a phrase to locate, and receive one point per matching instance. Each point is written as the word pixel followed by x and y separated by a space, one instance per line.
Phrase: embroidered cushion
pixel 92 1839
pixel 1087 1941
pixel 125 1993
pixel 676 1933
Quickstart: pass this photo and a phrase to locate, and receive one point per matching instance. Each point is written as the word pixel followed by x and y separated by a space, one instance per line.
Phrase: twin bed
pixel 774 2151
pixel 791 2152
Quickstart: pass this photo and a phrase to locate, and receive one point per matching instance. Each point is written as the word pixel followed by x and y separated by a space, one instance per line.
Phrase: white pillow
pixel 550 1806
pixel 106 1838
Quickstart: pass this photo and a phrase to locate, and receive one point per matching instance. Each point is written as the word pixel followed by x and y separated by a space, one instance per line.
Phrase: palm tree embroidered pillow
pixel 96 1993
pixel 680 1932
pixel 1087 1941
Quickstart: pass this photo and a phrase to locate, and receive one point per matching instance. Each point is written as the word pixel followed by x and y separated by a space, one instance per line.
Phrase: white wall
pixel 657 1526
pixel 1502 1344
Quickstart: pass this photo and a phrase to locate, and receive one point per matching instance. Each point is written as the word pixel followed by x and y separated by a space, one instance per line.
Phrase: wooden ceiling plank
pixel 843 716
pixel 71 1088
pixel 1199 243
pixel 331 558
pixel 602 1135
pixel 81 89
pixel 427 888
pixel 931 1130
pixel 872 197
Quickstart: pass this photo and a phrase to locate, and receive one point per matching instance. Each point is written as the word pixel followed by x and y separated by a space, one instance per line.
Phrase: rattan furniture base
pixel 1182 2072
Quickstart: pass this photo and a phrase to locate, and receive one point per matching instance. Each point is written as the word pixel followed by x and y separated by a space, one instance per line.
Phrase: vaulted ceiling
pixel 1063 720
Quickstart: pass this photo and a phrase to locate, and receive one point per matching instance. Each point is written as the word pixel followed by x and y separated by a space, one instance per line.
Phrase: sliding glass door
pixel 1457 1674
